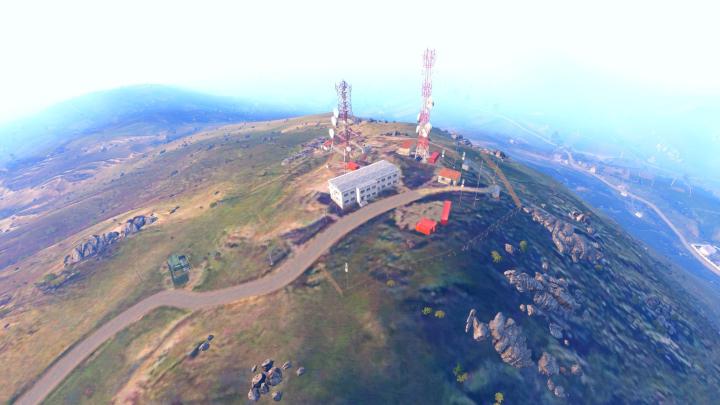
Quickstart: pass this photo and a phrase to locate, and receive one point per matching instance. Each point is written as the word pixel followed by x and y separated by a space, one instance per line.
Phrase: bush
pixel 427 311
pixel 523 246
pixel 440 314
pixel 496 258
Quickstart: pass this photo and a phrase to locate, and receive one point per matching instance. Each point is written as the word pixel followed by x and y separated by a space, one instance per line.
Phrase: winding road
pixel 285 274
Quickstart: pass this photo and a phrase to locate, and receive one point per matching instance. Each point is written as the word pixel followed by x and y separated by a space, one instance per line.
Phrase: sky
pixel 640 69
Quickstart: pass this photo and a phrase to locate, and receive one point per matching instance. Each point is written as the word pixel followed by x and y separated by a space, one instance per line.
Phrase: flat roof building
pixel 448 176
pixel 363 184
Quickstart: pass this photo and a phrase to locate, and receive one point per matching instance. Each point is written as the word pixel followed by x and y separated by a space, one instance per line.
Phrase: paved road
pixel 290 270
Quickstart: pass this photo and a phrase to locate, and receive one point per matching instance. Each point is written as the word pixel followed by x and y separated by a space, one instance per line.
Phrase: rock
pixel 267 364
pixel 135 224
pixel 566 342
pixel 556 331
pixel 522 307
pixel 559 391
pixel 522 281
pixel 480 329
pixel 274 376
pixel 300 371
pixel 550 385
pixel 286 365
pixel 545 265
pixel 509 248
pixel 254 394
pixel 509 341
pixel 258 380
pixel 566 239
pixel 547 365
pixel 264 388
pixel 530 309
pixel 93 246
pixel 575 369
pixel 277 395
pixel 253 368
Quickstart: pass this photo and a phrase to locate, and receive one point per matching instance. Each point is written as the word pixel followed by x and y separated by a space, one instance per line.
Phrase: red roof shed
pixel 426 226
pixel 446 212
pixel 433 157
pixel 352 166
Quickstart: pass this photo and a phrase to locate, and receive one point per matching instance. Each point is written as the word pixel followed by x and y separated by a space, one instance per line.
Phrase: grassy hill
pixel 637 330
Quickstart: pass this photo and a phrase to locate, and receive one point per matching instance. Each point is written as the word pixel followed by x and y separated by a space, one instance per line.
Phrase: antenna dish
pixel 333 120
pixel 347 148
pixel 332 133
pixel 336 113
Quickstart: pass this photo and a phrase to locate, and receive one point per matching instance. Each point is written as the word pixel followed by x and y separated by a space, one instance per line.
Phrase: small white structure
pixel 363 184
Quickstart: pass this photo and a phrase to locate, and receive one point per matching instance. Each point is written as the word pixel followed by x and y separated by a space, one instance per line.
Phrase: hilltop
pixel 582 305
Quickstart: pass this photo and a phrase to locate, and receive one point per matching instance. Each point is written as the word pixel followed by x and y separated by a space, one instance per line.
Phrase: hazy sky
pixel 53 50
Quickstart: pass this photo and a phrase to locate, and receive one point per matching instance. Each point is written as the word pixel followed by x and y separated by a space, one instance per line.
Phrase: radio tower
pixel 422 149
pixel 344 107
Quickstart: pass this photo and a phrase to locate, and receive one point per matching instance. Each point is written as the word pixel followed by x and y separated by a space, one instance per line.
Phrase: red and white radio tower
pixel 344 107
pixel 422 149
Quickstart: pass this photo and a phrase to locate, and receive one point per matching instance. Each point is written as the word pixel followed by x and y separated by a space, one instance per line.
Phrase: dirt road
pixel 285 274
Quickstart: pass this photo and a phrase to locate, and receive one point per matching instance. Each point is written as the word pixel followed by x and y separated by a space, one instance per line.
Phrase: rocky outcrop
pixel 550 294
pixel 509 341
pixel 97 244
pixel 480 329
pixel 547 365
pixel 566 238
pixel 507 338
pixel 135 224
pixel 268 377
pixel 556 331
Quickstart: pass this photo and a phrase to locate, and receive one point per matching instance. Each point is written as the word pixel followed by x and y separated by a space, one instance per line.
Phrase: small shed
pixel 448 176
pixel 405 148
pixel 447 205
pixel 426 226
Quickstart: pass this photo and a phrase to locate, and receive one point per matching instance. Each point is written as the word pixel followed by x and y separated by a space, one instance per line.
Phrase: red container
pixel 352 166
pixel 426 226
pixel 446 212
pixel 433 157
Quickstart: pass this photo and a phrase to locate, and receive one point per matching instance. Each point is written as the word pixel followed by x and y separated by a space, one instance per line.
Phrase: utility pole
pixel 347 276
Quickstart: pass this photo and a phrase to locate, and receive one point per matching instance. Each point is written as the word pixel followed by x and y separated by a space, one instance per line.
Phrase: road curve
pixel 653 207
pixel 290 270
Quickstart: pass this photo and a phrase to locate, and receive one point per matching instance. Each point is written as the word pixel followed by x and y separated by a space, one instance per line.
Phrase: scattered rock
pixel 277 395
pixel 559 391
pixel 509 341
pixel 286 365
pixel 550 385
pixel 254 394
pixel 258 380
pixel 300 371
pixel 274 376
pixel 267 364
pixel 551 294
pixel 556 331
pixel 575 369
pixel 264 388
pixel 509 248
pixel 547 365
pixel 523 282
pixel 97 244
pixel 135 224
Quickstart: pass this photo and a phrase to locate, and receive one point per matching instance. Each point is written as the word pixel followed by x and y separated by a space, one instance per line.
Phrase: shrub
pixel 440 314
pixel 496 258
pixel 427 311
pixel 523 246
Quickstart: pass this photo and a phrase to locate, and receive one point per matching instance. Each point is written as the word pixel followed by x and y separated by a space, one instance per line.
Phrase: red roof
pixel 434 157
pixel 451 174
pixel 327 143
pixel 352 166
pixel 446 212
pixel 407 144
pixel 426 226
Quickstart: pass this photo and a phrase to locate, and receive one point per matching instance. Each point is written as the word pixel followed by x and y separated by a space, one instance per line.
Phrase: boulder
pixel 523 282
pixel 480 329
pixel 254 394
pixel 277 395
pixel 286 365
pixel 547 365
pixel 575 369
pixel 135 224
pixel 559 391
pixel 530 310
pixel 267 364
pixel 264 388
pixel 300 371
pixel 258 380
pixel 556 331
pixel 509 341
pixel 274 376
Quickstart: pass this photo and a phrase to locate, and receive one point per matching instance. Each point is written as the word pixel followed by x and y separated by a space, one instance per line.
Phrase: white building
pixel 363 184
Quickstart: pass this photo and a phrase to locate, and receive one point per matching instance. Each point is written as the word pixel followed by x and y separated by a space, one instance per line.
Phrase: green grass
pixel 99 377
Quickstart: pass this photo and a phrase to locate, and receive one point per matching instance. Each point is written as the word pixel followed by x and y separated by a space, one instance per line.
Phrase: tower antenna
pixel 345 115
pixel 422 149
